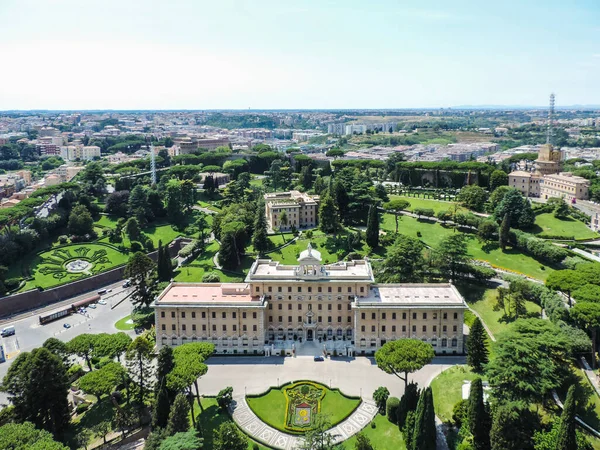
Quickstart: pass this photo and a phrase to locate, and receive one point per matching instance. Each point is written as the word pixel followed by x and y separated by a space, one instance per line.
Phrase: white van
pixel 8 331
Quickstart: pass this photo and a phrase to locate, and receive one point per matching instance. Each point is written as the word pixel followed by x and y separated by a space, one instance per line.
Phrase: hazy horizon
pixel 316 55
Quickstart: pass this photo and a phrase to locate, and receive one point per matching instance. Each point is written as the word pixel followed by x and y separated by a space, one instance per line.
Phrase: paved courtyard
pixel 353 376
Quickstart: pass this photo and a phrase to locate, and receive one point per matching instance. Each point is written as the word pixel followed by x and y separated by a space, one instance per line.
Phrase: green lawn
pixel 53 262
pixel 385 435
pixel 211 419
pixel 483 300
pixel 549 225
pixel 447 390
pixel 436 205
pixel 204 264
pixel 123 325
pixel 432 234
pixel 271 407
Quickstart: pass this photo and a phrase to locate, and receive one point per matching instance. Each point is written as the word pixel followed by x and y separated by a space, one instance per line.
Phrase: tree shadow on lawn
pixel 584 394
pixel 98 412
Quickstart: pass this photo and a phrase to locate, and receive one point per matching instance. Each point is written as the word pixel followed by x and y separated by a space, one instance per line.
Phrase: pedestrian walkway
pixel 260 431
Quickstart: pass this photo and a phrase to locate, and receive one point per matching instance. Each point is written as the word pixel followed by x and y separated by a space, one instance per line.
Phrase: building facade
pixel 301 210
pixel 285 307
pixel 565 185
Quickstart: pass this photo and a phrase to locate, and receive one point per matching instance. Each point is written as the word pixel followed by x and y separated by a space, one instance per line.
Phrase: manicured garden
pixel 56 266
pixel 447 390
pixel 425 203
pixel 382 433
pixel 549 225
pixel 203 264
pixel 290 408
pixel 432 233
pixel 211 418
pixel 483 301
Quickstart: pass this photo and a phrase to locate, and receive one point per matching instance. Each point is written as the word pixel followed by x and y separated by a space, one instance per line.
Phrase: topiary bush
pixel 211 277
pixel 392 409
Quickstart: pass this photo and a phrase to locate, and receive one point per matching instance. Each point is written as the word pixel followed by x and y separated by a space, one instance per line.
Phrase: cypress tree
pixel 178 416
pixel 477 417
pixel 228 253
pixel 372 234
pixel 567 439
pixel 504 231
pixel 159 262
pixel 162 406
pixel 168 264
pixel 260 241
pixel 477 352
pixel 408 402
pixel 424 434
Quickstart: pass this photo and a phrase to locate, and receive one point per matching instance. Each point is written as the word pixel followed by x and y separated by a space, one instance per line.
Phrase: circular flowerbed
pixel 292 408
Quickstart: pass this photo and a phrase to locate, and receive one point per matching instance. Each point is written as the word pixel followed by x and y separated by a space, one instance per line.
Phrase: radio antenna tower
pixel 550 117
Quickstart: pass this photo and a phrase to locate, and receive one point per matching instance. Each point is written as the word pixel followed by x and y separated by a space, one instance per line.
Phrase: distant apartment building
pixel 336 128
pixel 67 173
pixel 303 136
pixel 212 144
pixel 79 152
pixel 564 185
pixel 48 131
pixel 355 129
pixel 300 209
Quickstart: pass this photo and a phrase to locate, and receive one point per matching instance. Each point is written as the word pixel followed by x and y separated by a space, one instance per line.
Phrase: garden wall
pixel 25 301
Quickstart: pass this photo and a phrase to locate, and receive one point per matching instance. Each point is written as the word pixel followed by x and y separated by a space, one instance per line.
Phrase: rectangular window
pixel 328 319
pixel 362 316
pixel 339 319
pixel 435 328
pixel 455 316
pixel 224 315
pixel 383 328
pixel 319 289
pixel 270 288
pixel 329 289
pixel 243 315
pixel 444 328
pixel 214 327
pixel 257 288
pixel 414 316
pixel 280 318
pixel 278 288
pixel 289 306
pixel 270 318
pixel 445 316
pixel 173 327
pixel 299 319
pixel 373 316
pixel 193 327
pixel 234 327
pixel 362 289
pixel 289 289
pixel 349 290
pixel 172 314
pixel 309 289
pixel 349 319
pixel 164 327
pixel 349 307
pixel 234 315
pixel 320 307
pixel 280 306
pixel 299 288
pixel 320 319
pixel 254 315
pixel 424 328
pixel 373 328
pixel 289 318
pixel 424 316
pixel 329 307
pixel 435 316
pixel 383 316
pixel 393 328
pixel 454 328
pixel 224 327
pixel 404 328
pixel 203 315
pixel 214 315
pixel 162 314
pixel 339 289
pixel 244 328
pixel 362 328
pixel 299 306
pixel 339 306
pixel 270 305
pixel 193 315
pixel 403 316
pixel 204 327
pixel 393 316
pixel 254 328
pixel 414 328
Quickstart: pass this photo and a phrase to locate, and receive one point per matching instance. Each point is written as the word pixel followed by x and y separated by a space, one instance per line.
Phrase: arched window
pixel 454 342
pixel 444 342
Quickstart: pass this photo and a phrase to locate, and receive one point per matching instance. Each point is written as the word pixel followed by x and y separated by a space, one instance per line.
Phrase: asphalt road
pixel 29 334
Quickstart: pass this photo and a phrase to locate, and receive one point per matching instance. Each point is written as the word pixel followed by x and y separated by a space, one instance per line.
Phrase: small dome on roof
pixel 309 254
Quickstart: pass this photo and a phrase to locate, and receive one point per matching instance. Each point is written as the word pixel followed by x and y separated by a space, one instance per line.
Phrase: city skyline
pixel 69 55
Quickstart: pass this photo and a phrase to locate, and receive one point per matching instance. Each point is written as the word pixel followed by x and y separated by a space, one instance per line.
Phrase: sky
pixel 301 54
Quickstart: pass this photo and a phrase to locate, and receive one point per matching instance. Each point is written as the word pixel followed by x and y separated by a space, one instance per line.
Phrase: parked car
pixel 66 325
pixel 8 331
pixel 319 358
pixel 92 306
pixel 127 284
pixel 102 302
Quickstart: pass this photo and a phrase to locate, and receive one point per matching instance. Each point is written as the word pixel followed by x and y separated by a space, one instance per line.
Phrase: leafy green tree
pixel 83 346
pixel 182 441
pixel 498 178
pixel 132 229
pixel 567 439
pixel 487 230
pixel 372 233
pixel 25 436
pixel 328 215
pixel 547 440
pixel 403 356
pixel 102 381
pixel 202 224
pixel 225 397
pixel 141 270
pixel 380 396
pixel 80 221
pixel 587 315
pixel 587 293
pixel 37 386
pixel 404 260
pixel 504 234
pixel 101 429
pixel 260 239
pixel 565 281
pixel 111 345
pixel 138 203
pixel 394 207
pixel 513 426
pixel 179 416
pixel 139 361
pixel 363 442
pixel 228 254
pixel 174 201
pixel 424 434
pixel 517 207
pixel 391 409
pixel 318 438
pixel 477 351
pixel 478 417
pixel 58 348
pixel 229 437
pixel 561 211
pixel 155 438
pixel 306 177
pixel 451 256
pixel 408 403
pixel 473 197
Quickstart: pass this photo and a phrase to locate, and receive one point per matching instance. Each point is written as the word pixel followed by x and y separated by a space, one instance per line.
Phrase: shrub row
pixel 538 248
